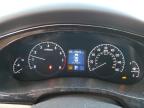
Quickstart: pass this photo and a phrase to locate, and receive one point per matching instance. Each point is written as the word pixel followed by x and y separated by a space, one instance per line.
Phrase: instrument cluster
pixel 75 53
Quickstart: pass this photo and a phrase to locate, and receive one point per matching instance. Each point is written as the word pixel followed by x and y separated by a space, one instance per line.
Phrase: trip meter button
pixel 47 58
pixel 106 60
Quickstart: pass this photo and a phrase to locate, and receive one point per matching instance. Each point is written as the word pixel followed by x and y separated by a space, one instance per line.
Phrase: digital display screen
pixel 76 60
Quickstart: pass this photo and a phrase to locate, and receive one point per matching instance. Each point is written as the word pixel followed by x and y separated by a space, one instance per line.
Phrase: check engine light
pixel 50 67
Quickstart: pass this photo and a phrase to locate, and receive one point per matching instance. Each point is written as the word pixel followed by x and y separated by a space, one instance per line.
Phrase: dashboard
pixel 75 51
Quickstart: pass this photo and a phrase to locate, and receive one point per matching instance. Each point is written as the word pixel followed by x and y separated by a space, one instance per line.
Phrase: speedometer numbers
pixel 47 58
pixel 106 60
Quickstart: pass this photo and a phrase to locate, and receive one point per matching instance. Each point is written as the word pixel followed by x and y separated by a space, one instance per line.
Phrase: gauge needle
pixel 18 70
pixel 100 65
pixel 38 57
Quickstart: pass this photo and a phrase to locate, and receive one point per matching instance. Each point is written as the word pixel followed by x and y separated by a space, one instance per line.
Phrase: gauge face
pixel 46 58
pixel 135 70
pixel 18 65
pixel 106 60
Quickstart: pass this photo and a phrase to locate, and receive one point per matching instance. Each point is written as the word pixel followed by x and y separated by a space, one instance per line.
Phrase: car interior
pixel 71 54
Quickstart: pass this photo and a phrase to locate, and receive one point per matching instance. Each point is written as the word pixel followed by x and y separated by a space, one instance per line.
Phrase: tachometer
pixel 106 60
pixel 46 58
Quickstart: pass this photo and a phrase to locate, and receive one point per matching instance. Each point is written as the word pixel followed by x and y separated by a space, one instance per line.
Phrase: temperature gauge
pixel 18 65
pixel 135 70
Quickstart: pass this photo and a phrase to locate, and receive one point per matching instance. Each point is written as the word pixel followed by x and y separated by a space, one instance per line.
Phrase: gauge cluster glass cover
pixel 80 52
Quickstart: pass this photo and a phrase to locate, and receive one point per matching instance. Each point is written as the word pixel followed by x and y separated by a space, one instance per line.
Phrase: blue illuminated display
pixel 76 60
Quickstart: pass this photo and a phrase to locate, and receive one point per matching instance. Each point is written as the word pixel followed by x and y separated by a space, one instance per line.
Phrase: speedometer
pixel 47 58
pixel 106 60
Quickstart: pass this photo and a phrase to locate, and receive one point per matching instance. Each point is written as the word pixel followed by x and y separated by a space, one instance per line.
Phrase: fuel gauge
pixel 18 65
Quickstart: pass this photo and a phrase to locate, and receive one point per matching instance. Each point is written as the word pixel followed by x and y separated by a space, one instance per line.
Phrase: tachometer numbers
pixel 46 58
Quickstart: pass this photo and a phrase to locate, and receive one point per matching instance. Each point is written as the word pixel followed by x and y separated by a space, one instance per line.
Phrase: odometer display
pixel 106 60
pixel 47 58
